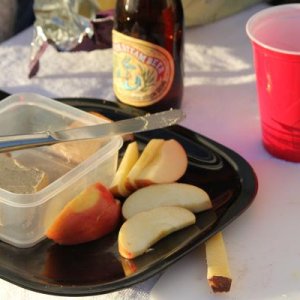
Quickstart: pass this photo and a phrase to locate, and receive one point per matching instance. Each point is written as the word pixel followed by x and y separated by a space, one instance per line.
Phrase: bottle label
pixel 143 72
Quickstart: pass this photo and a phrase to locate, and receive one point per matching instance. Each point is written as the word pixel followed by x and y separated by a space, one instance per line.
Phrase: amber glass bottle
pixel 148 53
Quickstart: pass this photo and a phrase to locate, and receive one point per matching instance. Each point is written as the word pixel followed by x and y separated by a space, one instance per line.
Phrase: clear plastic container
pixel 24 218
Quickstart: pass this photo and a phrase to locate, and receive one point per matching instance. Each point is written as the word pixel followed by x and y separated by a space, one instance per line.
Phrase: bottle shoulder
pixel 154 23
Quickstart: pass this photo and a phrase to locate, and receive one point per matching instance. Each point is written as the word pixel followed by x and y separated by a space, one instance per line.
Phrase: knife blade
pixel 132 125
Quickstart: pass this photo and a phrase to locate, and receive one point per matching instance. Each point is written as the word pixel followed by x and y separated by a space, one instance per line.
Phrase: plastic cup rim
pixel 262 12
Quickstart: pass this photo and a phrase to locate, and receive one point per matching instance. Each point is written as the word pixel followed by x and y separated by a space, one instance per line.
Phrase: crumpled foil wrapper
pixel 69 25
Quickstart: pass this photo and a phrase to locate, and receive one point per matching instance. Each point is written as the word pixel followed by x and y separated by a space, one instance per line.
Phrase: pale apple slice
pixel 143 230
pixel 184 195
pixel 169 164
pixel 218 271
pixel 160 162
pixel 131 155
pixel 147 156
pixel 89 216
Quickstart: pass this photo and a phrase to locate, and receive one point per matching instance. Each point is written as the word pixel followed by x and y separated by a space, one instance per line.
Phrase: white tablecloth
pixel 220 102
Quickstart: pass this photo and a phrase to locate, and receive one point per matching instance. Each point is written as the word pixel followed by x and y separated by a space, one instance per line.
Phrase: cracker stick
pixel 218 272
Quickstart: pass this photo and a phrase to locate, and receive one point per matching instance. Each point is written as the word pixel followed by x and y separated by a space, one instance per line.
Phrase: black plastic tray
pixel 96 267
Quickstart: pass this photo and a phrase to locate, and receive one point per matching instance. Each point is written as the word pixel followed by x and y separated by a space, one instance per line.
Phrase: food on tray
pixel 218 271
pixel 131 155
pixel 126 137
pixel 101 116
pixel 144 229
pixel 184 195
pixel 17 178
pixel 157 206
pixel 129 266
pixel 145 159
pixel 89 216
pixel 77 151
pixel 161 161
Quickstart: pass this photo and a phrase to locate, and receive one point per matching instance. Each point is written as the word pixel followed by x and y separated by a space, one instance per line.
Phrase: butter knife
pixel 133 125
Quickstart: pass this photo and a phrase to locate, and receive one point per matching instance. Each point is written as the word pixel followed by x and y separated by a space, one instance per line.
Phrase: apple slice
pixel 131 155
pixel 129 266
pixel 89 216
pixel 145 159
pixel 160 162
pixel 218 272
pixel 184 195
pixel 169 164
pixel 140 232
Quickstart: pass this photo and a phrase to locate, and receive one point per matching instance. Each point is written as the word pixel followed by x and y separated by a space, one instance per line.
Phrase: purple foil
pixel 62 25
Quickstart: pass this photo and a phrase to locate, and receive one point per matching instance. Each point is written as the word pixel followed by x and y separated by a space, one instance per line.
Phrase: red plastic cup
pixel 275 36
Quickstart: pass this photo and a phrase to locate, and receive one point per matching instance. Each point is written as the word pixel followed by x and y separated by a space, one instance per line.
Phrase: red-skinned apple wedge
pixel 184 195
pixel 131 155
pixel 144 229
pixel 162 161
pixel 89 216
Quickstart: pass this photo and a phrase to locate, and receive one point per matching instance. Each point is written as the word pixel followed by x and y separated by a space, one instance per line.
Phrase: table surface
pixel 221 103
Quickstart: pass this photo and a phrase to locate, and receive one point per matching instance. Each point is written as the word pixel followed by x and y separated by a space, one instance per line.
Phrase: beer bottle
pixel 148 53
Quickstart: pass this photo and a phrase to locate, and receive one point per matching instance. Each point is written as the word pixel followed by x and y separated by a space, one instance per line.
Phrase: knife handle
pixel 24 141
